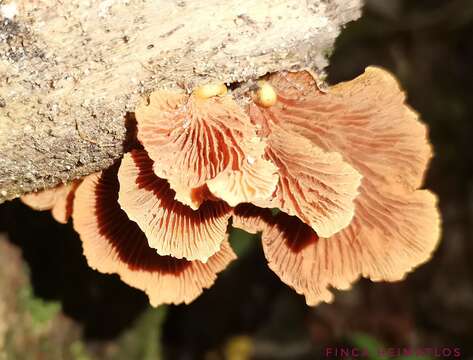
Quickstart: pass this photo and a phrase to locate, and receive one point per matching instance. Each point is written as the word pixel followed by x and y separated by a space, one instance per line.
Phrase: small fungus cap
pixel 366 120
pixel 317 186
pixel 58 199
pixel 113 243
pixel 205 144
pixel 171 227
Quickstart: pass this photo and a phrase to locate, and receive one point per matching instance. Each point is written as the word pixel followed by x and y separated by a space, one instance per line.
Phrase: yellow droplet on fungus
pixel 266 95
pixel 210 90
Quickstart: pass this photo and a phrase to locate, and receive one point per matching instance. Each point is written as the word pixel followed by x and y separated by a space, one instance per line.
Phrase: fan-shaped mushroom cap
pixel 171 227
pixel 389 236
pixel 366 120
pixel 59 200
pixel 252 219
pixel 113 243
pixel 395 227
pixel 196 142
pixel 385 246
pixel 314 185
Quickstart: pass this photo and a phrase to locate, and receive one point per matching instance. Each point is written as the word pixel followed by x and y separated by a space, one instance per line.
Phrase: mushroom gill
pixel 112 243
pixel 201 144
pixel 58 199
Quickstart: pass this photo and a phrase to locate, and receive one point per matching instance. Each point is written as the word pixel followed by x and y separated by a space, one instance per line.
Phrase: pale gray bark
pixel 71 70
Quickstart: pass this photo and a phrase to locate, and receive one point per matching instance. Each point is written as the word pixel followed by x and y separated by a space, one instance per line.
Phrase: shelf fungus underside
pixel 344 166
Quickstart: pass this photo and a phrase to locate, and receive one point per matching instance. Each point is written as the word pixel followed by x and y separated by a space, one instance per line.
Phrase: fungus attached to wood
pixel 59 200
pixel 343 166
pixel 365 124
pixel 200 144
pixel 113 243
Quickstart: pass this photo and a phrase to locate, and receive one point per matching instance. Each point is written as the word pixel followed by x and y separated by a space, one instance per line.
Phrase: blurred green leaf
pixel 41 311
pixel 368 343
pixel 242 242
pixel 143 341
pixel 372 347
pixel 78 351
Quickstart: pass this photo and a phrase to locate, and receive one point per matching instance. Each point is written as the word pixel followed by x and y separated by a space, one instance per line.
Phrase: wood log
pixel 71 71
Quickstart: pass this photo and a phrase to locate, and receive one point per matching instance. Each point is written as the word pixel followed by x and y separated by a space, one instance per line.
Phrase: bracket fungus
pixel 59 200
pixel 395 227
pixel 200 144
pixel 171 227
pixel 343 166
pixel 113 243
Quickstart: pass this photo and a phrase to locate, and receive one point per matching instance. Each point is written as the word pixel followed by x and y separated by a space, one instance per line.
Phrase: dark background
pixel 428 44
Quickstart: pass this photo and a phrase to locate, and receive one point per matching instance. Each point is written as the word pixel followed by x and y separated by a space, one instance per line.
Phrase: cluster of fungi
pixel 342 166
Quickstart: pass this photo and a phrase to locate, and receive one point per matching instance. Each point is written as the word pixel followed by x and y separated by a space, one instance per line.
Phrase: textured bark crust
pixel 70 71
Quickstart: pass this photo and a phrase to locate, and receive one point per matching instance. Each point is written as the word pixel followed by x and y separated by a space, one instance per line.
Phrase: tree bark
pixel 71 71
